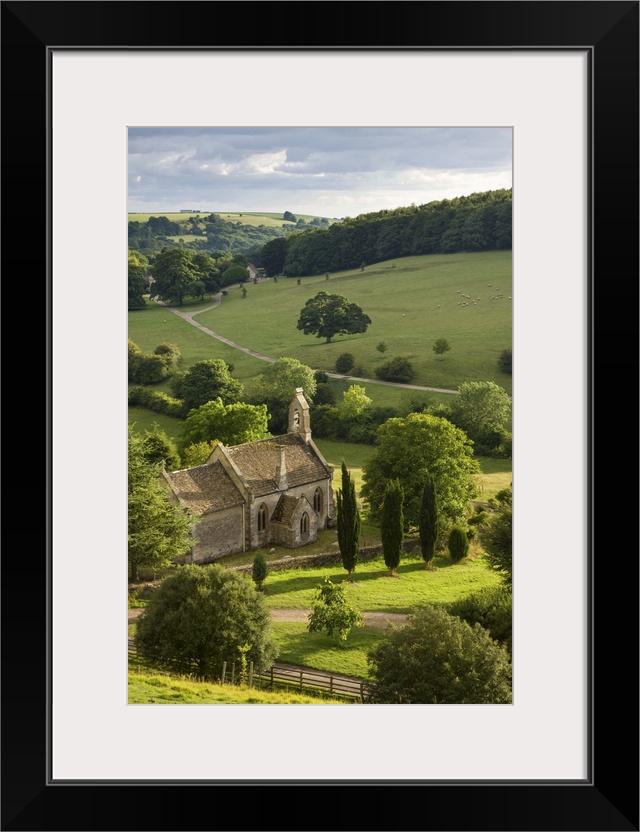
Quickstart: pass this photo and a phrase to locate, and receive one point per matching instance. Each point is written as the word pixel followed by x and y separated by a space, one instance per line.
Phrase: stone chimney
pixel 281 469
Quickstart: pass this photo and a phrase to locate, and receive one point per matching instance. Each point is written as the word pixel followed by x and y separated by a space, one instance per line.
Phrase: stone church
pixel 274 491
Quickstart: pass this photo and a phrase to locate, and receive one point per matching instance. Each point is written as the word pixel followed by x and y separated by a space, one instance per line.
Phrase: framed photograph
pixel 564 78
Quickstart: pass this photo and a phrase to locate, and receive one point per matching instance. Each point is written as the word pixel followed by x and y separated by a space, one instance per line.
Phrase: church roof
pixel 205 488
pixel 257 463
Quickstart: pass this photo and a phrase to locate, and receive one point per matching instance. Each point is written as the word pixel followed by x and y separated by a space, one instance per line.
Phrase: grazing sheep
pixel 272 551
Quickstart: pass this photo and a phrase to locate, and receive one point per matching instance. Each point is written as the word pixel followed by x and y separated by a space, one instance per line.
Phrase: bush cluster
pixel 398 369
pixel 156 401
pixel 150 368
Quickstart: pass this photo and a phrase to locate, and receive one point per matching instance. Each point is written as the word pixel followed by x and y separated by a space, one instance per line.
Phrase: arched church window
pixel 296 419
pixel 262 518
pixel 304 523
pixel 317 501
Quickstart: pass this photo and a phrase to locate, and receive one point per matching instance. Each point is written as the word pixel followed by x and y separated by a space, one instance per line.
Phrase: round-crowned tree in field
pixel 439 659
pixel 202 616
pixel 328 315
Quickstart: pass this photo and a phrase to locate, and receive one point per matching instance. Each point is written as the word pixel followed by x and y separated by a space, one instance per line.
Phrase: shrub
pixel 202 616
pixel 151 369
pixel 320 376
pixel 491 608
pixel 155 400
pixel 332 612
pixel 398 369
pixel 438 658
pixel 505 360
pixel 259 570
pixel 324 394
pixel 344 362
pixel 458 543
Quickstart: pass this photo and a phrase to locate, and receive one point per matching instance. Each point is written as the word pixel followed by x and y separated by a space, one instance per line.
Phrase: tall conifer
pixel 428 521
pixel 392 524
pixel 348 521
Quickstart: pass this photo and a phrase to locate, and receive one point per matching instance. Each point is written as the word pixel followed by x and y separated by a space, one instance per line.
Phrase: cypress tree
pixel 348 522
pixel 392 524
pixel 428 521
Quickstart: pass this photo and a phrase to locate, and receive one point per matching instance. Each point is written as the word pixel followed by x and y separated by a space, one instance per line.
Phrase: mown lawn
pixel 373 590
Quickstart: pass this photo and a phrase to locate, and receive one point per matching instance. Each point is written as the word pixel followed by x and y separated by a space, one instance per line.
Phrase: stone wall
pixel 322 559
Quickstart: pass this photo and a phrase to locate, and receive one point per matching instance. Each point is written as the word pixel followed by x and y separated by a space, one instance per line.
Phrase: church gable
pixel 294 522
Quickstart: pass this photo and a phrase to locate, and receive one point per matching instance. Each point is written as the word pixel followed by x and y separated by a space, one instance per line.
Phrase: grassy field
pixel 410 306
pixel 254 218
pixel 317 650
pixel 374 591
pixel 149 687
pixel 427 287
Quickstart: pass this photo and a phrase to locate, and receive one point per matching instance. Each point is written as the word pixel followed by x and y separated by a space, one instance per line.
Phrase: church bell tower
pixel 299 421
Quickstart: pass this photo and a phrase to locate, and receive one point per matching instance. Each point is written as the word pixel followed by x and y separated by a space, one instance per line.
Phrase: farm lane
pixel 189 316
pixel 371 619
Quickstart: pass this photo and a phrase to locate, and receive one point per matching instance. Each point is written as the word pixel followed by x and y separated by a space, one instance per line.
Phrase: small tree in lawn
pixel 441 346
pixel 458 544
pixel 428 521
pixel 348 522
pixel 332 612
pixel 392 524
pixel 259 570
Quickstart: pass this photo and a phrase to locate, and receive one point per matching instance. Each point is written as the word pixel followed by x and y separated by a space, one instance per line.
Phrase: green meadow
pixel 411 302
pixel 410 306
pixel 374 591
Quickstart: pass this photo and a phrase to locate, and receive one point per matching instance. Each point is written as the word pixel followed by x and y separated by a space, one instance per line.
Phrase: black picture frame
pixel 608 799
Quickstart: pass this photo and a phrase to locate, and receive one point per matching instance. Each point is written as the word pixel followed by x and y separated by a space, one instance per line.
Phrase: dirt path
pixel 371 619
pixel 189 317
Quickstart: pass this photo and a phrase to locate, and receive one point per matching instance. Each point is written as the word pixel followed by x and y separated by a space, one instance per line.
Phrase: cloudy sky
pixel 326 171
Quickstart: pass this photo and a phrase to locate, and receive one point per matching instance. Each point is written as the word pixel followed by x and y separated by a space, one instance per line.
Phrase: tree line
pixel 479 222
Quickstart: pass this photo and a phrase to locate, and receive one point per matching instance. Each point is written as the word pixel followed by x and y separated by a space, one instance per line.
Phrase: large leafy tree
pixel 205 381
pixel 138 267
pixel 439 659
pixel 409 447
pixel 328 315
pixel 203 616
pixel 480 409
pixel 428 527
pixel 232 424
pixel 348 521
pixel 277 385
pixel 392 524
pixel 158 531
pixel 497 543
pixel 175 275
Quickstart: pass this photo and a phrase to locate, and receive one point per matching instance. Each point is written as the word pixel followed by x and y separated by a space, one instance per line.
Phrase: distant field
pixel 410 306
pixel 254 218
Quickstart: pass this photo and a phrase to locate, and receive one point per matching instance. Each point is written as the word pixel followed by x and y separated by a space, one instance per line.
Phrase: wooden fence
pixel 315 681
pixel 290 676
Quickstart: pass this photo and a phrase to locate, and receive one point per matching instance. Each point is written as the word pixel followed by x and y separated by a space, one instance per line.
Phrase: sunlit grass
pixel 373 590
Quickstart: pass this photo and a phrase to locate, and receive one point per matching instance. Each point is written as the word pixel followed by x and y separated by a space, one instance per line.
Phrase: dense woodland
pixel 480 222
